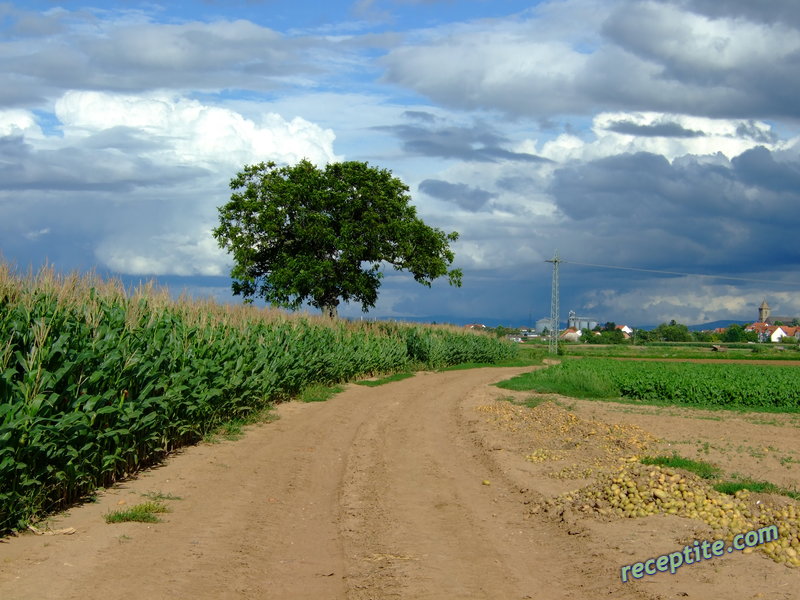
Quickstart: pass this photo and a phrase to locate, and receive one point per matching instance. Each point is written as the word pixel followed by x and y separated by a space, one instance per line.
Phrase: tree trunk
pixel 330 310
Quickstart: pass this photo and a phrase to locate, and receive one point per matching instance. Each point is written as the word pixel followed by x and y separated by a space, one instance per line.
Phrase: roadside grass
pixel 526 357
pixel 233 429
pixel 146 512
pixel 385 380
pixel 722 484
pixel 319 392
pixel 700 468
pixel 765 487
pixel 160 496
pixel 552 381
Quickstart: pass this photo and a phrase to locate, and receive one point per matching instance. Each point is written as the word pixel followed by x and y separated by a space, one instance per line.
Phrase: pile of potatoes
pixel 541 455
pixel 636 490
pixel 553 428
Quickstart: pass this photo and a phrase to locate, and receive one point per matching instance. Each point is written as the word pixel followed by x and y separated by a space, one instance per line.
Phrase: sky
pixel 659 135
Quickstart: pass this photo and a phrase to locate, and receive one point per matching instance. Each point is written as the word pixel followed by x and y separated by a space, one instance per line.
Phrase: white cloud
pixel 670 135
pixel 194 253
pixel 680 38
pixel 688 300
pixel 18 122
pixel 189 132
pixel 35 235
pixel 155 167
pixel 625 55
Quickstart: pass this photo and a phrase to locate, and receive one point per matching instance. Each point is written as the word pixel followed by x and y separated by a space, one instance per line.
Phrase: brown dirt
pixel 379 493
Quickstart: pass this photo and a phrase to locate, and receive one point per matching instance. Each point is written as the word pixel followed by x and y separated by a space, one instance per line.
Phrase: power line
pixel 773 281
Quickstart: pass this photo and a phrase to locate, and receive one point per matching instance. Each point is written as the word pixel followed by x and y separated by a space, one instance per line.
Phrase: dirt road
pixel 399 491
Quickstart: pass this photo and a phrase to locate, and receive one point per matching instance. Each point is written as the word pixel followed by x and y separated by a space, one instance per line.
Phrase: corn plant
pixel 96 383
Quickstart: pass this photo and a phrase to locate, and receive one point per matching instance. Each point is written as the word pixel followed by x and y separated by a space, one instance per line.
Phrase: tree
pixel 303 234
pixel 501 331
pixel 674 332
pixel 734 333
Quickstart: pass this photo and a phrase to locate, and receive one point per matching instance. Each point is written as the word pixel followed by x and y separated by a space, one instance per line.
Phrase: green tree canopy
pixel 674 332
pixel 734 333
pixel 304 234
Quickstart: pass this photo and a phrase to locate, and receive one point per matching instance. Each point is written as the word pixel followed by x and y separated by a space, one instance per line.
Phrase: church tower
pixel 763 312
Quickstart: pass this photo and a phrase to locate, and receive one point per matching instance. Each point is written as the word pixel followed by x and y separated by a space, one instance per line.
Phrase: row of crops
pixel 96 383
pixel 693 384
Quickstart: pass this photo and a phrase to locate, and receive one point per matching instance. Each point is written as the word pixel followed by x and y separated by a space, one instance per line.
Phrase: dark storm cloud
pixel 758 168
pixel 467 197
pixel 674 130
pixel 745 70
pixel 478 143
pixel 640 209
pixel 772 11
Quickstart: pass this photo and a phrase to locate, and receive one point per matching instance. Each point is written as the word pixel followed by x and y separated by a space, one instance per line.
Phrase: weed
pixel 143 513
pixel 160 496
pixel 764 487
pixel 233 429
pixel 700 468
pixel 319 392
pixel 385 380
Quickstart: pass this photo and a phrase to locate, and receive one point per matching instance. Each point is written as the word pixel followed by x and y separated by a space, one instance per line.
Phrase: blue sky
pixel 658 134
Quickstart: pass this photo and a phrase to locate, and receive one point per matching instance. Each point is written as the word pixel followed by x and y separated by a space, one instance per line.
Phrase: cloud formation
pixel 150 171
pixel 647 133
pixel 468 198
pixel 643 56
pixel 125 51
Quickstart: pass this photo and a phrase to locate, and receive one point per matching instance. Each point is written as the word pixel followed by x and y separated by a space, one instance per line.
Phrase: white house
pixel 772 333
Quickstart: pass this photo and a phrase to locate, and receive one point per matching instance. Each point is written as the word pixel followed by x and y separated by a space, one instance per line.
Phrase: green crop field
pixel 731 385
pixel 96 383
pixel 683 350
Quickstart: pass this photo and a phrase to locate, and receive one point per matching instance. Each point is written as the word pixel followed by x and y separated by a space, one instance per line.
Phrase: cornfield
pixel 96 383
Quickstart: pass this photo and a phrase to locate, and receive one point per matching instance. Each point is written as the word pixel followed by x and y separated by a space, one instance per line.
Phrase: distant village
pixel 767 328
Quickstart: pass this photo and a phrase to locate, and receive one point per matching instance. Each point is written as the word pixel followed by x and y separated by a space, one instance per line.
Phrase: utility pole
pixel 554 317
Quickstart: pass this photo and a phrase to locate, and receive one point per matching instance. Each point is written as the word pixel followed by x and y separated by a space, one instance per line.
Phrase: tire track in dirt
pixel 376 493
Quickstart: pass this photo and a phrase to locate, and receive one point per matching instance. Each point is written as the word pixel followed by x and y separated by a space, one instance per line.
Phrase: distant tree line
pixel 666 332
